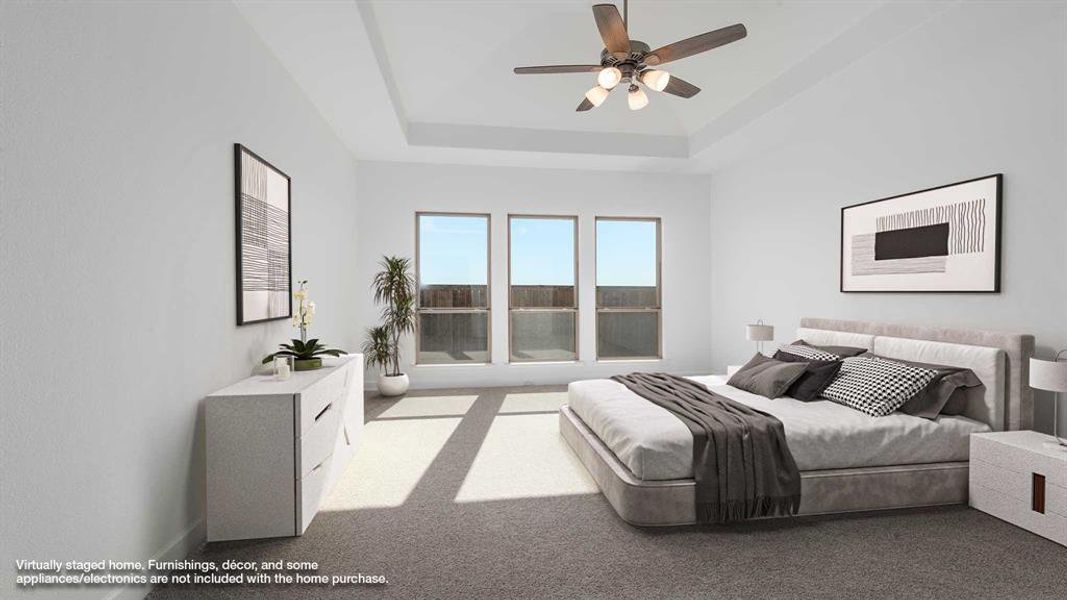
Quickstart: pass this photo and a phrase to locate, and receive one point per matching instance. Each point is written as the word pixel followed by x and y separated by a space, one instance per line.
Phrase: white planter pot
pixel 393 386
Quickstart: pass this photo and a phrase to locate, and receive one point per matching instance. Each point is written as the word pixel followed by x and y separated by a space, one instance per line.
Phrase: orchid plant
pixel 304 349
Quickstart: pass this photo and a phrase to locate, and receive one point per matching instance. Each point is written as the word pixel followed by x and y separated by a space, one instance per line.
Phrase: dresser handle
pixel 317 467
pixel 323 411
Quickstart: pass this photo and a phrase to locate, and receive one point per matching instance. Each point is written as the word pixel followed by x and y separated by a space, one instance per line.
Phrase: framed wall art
pixel 943 239
pixel 264 257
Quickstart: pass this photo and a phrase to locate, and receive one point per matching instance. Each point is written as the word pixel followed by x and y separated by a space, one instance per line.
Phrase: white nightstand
pixel 1017 477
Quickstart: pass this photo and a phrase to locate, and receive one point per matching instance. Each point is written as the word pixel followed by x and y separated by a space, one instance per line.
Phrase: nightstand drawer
pixel 1018 512
pixel 986 448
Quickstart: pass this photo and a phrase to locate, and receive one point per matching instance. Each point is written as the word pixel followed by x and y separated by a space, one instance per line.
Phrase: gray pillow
pixel 767 377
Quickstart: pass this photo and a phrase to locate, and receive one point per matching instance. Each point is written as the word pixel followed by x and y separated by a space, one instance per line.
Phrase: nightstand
pixel 1017 477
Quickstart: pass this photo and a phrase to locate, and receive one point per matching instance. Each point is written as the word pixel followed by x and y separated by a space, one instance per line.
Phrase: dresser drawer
pixel 311 488
pixel 318 442
pixel 1018 512
pixel 316 398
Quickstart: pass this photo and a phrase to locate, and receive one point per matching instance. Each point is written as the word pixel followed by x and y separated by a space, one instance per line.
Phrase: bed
pixel 640 455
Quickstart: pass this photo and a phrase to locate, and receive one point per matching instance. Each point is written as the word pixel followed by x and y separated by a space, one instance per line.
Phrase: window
pixel 627 288
pixel 452 268
pixel 543 299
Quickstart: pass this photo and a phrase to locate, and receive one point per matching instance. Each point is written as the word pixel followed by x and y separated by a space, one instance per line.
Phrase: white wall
pixel 979 89
pixel 117 258
pixel 391 193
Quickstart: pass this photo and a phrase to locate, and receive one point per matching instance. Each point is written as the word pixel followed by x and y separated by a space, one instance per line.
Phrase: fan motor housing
pixel 638 50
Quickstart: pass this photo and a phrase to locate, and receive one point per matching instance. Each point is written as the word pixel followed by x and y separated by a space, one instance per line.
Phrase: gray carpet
pixel 574 546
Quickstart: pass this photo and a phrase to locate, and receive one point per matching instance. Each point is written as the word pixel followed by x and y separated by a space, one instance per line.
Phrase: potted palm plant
pixel 394 291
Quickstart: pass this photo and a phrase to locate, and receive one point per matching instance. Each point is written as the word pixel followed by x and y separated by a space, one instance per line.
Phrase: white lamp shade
pixel 596 95
pixel 609 77
pixel 1048 375
pixel 636 99
pixel 759 332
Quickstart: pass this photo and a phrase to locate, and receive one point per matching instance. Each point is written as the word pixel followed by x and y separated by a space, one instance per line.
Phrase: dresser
pixel 275 448
pixel 1016 476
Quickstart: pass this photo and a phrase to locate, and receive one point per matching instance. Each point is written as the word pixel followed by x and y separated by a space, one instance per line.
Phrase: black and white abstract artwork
pixel 944 239
pixel 263 249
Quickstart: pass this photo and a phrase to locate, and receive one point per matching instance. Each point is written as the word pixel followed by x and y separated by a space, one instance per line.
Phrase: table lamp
pixel 1051 375
pixel 759 333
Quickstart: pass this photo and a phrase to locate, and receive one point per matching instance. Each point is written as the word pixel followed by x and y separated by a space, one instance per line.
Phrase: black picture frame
pixel 240 151
pixel 997 237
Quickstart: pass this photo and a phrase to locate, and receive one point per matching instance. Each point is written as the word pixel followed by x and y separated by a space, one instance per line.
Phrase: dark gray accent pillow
pixel 767 377
pixel 947 394
pixel 842 351
pixel 818 375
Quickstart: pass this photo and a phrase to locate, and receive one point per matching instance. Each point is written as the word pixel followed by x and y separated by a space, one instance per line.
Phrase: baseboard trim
pixel 178 548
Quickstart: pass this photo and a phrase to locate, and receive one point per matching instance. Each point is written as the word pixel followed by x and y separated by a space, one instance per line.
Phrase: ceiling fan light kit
pixel 636 98
pixel 597 95
pixel 628 61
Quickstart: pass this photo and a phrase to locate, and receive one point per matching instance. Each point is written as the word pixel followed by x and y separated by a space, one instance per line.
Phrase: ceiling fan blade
pixel 696 44
pixel 585 105
pixel 612 29
pixel 680 87
pixel 541 70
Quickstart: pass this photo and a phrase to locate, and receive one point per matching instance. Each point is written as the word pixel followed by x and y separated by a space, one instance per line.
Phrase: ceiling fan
pixel 628 61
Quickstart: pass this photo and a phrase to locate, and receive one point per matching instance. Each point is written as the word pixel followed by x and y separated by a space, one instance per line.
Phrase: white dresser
pixel 1016 477
pixel 275 448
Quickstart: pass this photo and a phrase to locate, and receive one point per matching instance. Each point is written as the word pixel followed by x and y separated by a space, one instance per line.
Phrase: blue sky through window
pixel 453 250
pixel 626 253
pixel 542 251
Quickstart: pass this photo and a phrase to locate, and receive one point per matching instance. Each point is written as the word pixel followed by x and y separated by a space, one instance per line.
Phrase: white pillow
pixel 877 387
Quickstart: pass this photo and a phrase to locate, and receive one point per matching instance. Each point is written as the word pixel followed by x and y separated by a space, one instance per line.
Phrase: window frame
pixel 658 308
pixel 573 309
pixel 488 310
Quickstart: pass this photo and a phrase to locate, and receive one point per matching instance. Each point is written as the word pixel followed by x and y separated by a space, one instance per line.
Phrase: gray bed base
pixel 662 503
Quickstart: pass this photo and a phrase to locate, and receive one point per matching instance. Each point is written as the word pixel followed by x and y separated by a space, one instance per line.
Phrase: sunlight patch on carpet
pixel 533 402
pixel 392 458
pixel 524 456
pixel 430 406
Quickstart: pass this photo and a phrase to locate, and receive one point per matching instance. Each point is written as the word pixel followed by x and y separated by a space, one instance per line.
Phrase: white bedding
pixel 655 445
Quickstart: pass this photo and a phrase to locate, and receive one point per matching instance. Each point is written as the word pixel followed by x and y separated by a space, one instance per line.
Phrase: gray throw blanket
pixel 741 462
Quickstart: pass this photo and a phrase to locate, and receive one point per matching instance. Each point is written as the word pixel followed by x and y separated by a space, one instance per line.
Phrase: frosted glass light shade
pixel 609 77
pixel 1048 375
pixel 596 95
pixel 655 79
pixel 637 99
pixel 759 332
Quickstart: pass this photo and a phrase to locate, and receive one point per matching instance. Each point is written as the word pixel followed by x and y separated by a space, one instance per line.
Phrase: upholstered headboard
pixel 1018 411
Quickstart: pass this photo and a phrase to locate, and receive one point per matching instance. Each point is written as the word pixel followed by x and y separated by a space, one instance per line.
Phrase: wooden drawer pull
pixel 323 411
pixel 1037 494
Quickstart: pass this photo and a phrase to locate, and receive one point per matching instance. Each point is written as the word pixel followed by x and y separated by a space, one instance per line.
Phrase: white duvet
pixel 655 445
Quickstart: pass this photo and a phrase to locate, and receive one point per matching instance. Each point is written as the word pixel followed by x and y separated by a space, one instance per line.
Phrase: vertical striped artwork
pixel 263 244
pixel 944 239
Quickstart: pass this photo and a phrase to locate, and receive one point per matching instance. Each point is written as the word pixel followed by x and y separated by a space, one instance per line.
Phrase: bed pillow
pixel 875 386
pixel 809 352
pixel 842 351
pixel 817 376
pixel 946 394
pixel 767 377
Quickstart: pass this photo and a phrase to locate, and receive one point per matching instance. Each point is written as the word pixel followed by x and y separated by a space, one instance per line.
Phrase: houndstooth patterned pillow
pixel 875 386
pixel 808 352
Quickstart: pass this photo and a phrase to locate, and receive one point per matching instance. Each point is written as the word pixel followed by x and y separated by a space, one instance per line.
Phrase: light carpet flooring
pixel 473 494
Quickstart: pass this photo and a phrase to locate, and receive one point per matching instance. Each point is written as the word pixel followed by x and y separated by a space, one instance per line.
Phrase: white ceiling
pixel 431 80
pixel 452 61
